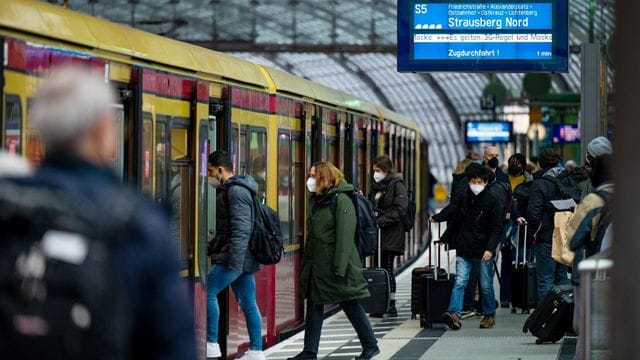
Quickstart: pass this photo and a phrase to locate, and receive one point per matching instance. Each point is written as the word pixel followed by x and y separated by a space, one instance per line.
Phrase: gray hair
pixel 68 103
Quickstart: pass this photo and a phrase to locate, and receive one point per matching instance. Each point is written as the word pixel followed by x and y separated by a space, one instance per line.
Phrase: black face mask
pixel 493 163
pixel 515 169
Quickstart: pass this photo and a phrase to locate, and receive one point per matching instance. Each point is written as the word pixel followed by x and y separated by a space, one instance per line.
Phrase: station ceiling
pixel 348 45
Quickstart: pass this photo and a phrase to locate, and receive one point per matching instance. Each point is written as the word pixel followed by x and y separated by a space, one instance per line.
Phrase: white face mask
pixel 378 176
pixel 213 181
pixel 262 174
pixel 476 188
pixel 311 185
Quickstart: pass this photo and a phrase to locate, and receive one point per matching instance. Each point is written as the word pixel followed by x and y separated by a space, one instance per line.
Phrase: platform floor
pixel 403 338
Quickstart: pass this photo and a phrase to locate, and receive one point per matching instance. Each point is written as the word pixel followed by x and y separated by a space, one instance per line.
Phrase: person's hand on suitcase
pixel 487 256
pixel 521 221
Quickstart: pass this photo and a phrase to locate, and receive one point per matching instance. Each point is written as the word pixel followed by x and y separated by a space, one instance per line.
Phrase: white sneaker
pixel 253 355
pixel 213 350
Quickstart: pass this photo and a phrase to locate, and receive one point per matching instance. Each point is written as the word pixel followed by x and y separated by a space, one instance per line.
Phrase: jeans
pixel 356 315
pixel 244 288
pixel 550 272
pixel 469 303
pixel 485 274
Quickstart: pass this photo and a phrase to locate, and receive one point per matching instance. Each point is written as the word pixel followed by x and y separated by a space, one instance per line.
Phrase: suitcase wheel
pixel 539 341
pixel 514 310
pixel 413 316
pixel 422 323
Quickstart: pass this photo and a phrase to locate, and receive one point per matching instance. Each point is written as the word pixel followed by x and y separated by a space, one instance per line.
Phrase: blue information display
pixel 488 131
pixel 481 35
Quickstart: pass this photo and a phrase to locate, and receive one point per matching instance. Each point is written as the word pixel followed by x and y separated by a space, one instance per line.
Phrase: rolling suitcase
pixel 436 293
pixel 378 284
pixel 416 284
pixel 553 317
pixel 524 286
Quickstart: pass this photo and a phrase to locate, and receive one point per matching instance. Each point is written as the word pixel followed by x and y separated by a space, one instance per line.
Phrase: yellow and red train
pixel 177 103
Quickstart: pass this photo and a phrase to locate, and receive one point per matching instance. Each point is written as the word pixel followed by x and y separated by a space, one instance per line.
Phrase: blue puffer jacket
pixel 146 262
pixel 234 224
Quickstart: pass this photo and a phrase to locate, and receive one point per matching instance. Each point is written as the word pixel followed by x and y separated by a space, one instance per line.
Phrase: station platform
pixel 402 338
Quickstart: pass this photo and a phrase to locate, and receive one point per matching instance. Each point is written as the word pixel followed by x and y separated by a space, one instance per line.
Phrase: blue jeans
pixel 550 272
pixel 356 315
pixel 485 274
pixel 244 288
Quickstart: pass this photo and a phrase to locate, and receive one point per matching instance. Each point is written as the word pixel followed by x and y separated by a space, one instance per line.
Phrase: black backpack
pixel 366 237
pixel 606 217
pixel 266 243
pixel 409 218
pixel 60 297
pixel 567 187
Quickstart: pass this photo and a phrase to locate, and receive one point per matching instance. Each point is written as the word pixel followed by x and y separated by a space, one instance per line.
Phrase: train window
pixel 362 160
pixel 180 209
pixel 13 124
pixel 235 137
pixel 119 160
pixel 146 183
pixel 161 165
pixel 258 154
pixel 284 182
pixel 298 188
pixel 242 154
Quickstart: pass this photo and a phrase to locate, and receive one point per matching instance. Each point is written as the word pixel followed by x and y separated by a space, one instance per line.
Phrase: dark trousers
pixel 388 259
pixel 356 315
pixel 505 273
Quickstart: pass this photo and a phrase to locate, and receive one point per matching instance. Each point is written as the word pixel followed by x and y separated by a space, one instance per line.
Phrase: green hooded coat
pixel 331 269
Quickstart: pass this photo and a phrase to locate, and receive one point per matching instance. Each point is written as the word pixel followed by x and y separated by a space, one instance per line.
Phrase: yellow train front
pixel 177 103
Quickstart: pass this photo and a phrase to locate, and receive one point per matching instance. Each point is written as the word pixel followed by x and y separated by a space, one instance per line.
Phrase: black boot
pixel 369 353
pixel 392 312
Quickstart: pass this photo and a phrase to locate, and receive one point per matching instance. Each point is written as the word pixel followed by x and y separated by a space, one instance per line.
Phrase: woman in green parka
pixel 331 268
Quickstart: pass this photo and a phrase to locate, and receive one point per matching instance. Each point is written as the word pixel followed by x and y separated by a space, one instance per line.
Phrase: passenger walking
pixel 479 235
pixel 540 214
pixel 331 267
pixel 145 314
pixel 459 186
pixel 390 199
pixel 491 159
pixel 585 231
pixel 234 264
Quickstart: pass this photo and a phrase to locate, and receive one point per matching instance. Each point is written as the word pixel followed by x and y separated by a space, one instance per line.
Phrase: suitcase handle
pixel 430 251
pixel 435 269
pixel 524 260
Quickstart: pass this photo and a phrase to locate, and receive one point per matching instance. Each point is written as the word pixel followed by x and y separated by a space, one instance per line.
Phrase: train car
pixel 179 102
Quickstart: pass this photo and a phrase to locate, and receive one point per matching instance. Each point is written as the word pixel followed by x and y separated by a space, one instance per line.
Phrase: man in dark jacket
pixel 74 114
pixel 540 214
pixel 491 159
pixel 233 262
pixel 478 238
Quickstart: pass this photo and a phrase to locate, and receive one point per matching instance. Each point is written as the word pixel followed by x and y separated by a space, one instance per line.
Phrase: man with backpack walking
pixel 234 263
pixel 549 184
pixel 87 268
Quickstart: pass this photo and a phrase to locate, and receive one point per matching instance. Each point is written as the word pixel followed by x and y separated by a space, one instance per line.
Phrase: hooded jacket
pixel 234 224
pixel 459 187
pixel 331 267
pixel 480 224
pixel 391 207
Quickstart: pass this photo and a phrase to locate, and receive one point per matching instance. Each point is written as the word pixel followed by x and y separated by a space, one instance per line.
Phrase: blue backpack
pixel 366 237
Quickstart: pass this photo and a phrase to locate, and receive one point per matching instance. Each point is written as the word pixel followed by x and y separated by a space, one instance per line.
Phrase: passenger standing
pixel 389 198
pixel 234 265
pixel 583 229
pixel 540 214
pixel 331 267
pixel 520 182
pixel 491 159
pixel 73 112
pixel 479 235
pixel 459 186
pixel 597 147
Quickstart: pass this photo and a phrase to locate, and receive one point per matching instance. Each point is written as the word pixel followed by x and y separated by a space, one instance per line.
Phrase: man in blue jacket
pixel 73 112
pixel 234 264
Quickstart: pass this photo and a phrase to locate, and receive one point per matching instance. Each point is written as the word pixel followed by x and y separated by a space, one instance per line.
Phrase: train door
pixel 316 135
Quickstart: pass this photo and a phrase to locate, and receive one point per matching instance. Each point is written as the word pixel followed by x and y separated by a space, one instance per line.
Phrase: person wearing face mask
pixel 390 200
pixel 480 233
pixel 331 268
pixel 233 263
pixel 491 159
pixel 520 182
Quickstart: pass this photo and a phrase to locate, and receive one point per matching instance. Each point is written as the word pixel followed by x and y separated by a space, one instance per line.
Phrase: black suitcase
pixel 553 317
pixel 436 294
pixel 379 288
pixel 524 282
pixel 416 284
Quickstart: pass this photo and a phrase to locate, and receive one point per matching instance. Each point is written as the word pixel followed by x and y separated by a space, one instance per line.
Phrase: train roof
pixel 56 22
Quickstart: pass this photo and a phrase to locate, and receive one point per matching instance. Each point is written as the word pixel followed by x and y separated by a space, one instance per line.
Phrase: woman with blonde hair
pixel 331 268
